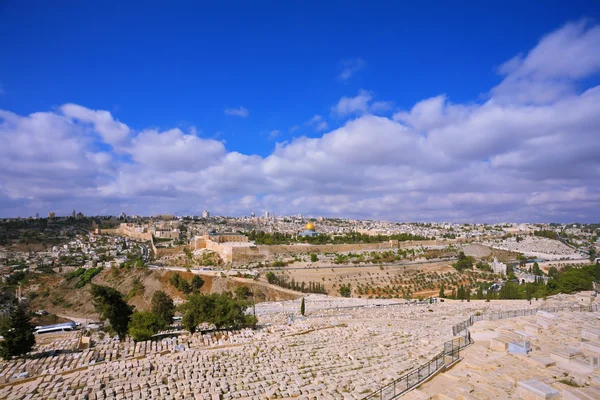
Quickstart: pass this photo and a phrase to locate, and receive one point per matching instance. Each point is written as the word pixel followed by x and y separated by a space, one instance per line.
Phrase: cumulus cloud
pixel 360 104
pixel 113 132
pixel 350 67
pixel 529 152
pixel 237 112
pixel 551 70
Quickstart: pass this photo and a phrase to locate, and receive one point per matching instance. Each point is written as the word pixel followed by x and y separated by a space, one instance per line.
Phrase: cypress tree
pixel 302 308
pixel 18 335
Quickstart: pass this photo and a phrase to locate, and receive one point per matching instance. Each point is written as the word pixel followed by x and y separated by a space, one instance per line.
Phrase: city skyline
pixel 495 130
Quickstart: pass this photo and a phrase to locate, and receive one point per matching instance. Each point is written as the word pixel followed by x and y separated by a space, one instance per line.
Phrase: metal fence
pixel 451 351
pixel 449 355
pixel 461 327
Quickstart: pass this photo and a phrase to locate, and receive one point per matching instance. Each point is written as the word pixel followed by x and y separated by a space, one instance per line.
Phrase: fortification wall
pixel 161 252
pixel 275 250
pixel 125 230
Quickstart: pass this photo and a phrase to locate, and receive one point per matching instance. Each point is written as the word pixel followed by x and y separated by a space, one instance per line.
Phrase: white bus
pixel 64 327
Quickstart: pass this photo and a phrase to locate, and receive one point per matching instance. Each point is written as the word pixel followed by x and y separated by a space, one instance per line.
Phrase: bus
pixel 64 327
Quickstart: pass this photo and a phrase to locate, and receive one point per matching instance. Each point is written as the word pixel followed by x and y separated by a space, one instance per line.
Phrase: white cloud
pixel 550 71
pixel 512 157
pixel 360 104
pixel 237 112
pixel 113 132
pixel 273 134
pixel 317 123
pixel 351 105
pixel 350 67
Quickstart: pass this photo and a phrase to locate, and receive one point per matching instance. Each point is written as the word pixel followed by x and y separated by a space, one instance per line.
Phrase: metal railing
pixel 462 326
pixel 449 355
pixel 451 351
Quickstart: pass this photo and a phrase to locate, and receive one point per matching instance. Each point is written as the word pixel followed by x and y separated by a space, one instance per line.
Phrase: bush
pixel 197 282
pixel 180 283
pixel 345 291
pixel 75 274
pixel 87 276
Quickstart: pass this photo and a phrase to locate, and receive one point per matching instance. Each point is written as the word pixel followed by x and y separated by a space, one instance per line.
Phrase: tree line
pixel 266 238
pixel 284 282
pixel 568 280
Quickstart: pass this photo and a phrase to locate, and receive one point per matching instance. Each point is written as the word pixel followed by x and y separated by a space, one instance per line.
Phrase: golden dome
pixel 310 226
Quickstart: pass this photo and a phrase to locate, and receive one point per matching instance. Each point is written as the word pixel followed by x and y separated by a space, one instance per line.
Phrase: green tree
pixel 345 290
pixel 143 325
pixel 175 279
pixel 480 292
pixel 442 295
pixel 553 272
pixel 220 309
pixel 18 334
pixel 313 257
pixel 162 306
pixel 190 321
pixel 510 291
pixel 271 277
pixel 243 292
pixel 196 282
pixel 109 303
pixel 489 295
pixel 302 309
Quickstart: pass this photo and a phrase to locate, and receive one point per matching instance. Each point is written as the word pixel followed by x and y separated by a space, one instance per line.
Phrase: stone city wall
pixel 169 251
pixel 126 230
pixel 275 250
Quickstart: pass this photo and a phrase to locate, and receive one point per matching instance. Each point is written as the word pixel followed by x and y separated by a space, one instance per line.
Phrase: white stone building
pixel 498 267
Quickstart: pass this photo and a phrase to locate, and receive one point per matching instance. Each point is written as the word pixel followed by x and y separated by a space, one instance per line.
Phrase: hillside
pixel 59 296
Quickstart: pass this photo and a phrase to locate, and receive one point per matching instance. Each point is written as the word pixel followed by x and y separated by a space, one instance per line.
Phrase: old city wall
pixel 243 255
pixel 275 250
pixel 169 251
pixel 125 230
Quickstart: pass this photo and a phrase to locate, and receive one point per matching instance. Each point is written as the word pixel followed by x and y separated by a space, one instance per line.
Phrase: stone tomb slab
pixel 565 354
pixel 533 389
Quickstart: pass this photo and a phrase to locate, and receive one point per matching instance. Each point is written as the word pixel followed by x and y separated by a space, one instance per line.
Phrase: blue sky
pixel 152 65
pixel 182 66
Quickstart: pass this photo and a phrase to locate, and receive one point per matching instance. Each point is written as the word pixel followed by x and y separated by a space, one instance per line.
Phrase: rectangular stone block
pixel 564 354
pixel 580 394
pixel 498 344
pixel 544 323
pixel 542 361
pixel 519 348
pixel 532 329
pixel 590 333
pixel 535 390
pixel 593 347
